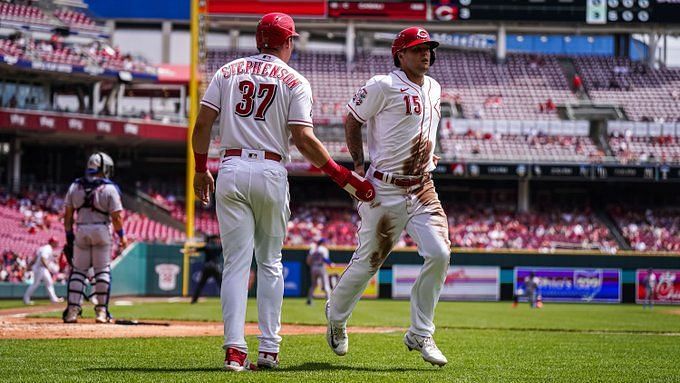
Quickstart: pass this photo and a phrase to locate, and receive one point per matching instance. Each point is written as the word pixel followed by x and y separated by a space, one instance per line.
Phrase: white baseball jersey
pixel 257 97
pixel 402 120
pixel 43 254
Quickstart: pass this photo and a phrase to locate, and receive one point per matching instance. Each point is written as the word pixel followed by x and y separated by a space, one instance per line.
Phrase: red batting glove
pixel 354 184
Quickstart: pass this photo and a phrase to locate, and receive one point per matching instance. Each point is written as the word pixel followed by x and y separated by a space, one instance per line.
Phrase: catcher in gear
pixel 93 205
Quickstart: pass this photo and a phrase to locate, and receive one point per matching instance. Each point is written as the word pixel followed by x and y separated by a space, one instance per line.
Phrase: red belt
pixel 267 155
pixel 397 180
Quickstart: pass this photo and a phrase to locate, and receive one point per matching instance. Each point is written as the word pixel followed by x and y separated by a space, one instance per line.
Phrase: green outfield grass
pixel 13 303
pixel 458 315
pixel 485 342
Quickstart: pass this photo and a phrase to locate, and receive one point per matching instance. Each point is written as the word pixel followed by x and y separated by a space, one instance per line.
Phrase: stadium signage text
pixel 558 284
pixel 666 290
pixel 60 122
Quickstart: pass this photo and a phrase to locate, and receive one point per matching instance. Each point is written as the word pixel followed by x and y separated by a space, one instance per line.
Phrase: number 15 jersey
pixel 257 97
pixel 402 119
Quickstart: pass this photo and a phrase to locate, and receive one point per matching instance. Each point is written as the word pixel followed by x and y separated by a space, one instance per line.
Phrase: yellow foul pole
pixel 193 113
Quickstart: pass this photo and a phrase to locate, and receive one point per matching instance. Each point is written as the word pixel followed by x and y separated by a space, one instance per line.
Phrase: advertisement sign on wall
pixel 334 272
pixel 666 287
pixel 557 284
pixel 463 283
pixel 292 279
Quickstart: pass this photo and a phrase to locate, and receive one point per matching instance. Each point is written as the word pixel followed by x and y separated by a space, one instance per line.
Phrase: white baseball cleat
pixel 428 349
pixel 336 335
pixel 100 315
pixel 267 360
pixel 71 314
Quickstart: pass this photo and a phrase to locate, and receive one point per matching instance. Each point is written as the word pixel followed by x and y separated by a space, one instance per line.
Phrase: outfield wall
pixel 156 270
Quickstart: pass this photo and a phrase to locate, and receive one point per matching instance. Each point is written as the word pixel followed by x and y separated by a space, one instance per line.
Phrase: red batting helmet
pixel 411 37
pixel 274 29
pixel 54 240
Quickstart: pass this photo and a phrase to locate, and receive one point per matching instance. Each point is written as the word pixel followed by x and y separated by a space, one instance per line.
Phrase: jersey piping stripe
pixel 210 105
pixel 354 112
pixel 303 122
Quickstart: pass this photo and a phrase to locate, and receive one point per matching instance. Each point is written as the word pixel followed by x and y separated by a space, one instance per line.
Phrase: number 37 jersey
pixel 402 119
pixel 257 98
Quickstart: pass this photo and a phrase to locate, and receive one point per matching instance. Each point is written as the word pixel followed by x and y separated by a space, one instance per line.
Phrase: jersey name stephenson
pixel 402 120
pixel 257 98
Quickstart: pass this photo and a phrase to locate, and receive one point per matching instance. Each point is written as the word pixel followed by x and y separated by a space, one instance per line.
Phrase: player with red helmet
pixel 402 112
pixel 261 102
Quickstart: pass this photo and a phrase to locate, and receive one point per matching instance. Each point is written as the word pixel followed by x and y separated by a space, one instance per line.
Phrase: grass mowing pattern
pixel 474 355
pixel 485 342
pixel 459 315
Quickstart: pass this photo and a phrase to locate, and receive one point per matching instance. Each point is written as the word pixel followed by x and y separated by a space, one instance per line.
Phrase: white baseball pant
pixel 418 210
pixel 41 274
pixel 252 210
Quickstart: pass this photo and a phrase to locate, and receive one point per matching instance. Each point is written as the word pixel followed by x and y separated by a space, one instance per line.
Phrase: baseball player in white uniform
pixel 42 265
pixel 261 102
pixel 402 112
pixel 96 202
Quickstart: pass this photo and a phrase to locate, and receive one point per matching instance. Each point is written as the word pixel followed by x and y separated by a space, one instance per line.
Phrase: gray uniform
pixel 317 261
pixel 93 237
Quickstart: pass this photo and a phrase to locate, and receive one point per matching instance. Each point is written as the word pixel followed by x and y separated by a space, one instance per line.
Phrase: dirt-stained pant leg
pixel 237 231
pixel 381 226
pixel 269 200
pixel 428 226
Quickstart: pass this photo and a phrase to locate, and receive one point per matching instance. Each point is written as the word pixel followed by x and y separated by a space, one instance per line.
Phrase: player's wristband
pixel 121 233
pixel 201 162
pixel 334 171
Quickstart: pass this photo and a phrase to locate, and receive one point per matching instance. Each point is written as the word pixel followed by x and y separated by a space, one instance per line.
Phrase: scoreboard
pixel 386 9
pixel 584 11
pixel 581 11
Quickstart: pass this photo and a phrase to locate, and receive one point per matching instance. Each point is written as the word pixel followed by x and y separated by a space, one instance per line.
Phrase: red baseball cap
pixel 274 29
pixel 53 239
pixel 411 37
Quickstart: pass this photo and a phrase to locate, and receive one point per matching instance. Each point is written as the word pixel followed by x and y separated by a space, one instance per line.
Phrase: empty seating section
pixel 75 19
pixel 514 90
pixel 645 94
pixel 545 141
pixel 634 142
pixel 73 54
pixel 21 13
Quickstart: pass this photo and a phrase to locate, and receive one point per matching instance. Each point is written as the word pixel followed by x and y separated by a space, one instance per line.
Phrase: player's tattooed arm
pixel 355 143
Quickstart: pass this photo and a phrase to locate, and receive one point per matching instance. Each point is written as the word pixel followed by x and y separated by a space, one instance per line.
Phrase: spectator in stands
pixel 577 84
pixel 550 105
pixel 12 101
